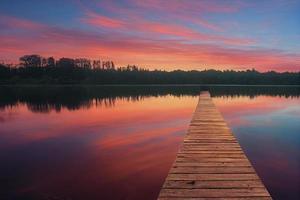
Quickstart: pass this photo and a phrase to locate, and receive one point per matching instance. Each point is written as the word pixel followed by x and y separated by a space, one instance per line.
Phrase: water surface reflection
pixel 268 129
pixel 45 99
pixel 119 142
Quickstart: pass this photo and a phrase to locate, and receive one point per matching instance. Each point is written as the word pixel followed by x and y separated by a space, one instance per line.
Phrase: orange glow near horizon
pixel 153 34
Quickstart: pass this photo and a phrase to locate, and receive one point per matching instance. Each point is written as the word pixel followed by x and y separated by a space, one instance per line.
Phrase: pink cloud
pixel 173 30
pixel 104 21
pixel 190 6
pixel 177 11
pixel 147 52
pixel 7 22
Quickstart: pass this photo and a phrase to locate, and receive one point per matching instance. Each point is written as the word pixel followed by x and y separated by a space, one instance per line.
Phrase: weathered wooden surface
pixel 210 163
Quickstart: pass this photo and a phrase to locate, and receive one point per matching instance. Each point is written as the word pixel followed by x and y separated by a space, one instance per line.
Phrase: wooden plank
pixel 212 177
pixel 209 155
pixel 240 192
pixel 210 163
pixel 211 170
pixel 212 184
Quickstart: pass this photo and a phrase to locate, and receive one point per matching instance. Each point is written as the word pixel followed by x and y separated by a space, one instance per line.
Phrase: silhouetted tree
pixel 67 63
pixel 82 70
pixel 31 61
pixel 50 62
pixel 96 64
pixel 83 63
pixel 112 65
pixel 44 62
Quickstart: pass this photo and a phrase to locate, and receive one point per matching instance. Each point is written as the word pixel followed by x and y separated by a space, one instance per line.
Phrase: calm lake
pixel 118 142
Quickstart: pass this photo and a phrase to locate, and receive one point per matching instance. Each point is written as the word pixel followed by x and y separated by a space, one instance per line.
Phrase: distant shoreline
pixel 34 69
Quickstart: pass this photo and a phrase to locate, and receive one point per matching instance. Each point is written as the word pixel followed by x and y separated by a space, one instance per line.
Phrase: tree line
pixel 35 69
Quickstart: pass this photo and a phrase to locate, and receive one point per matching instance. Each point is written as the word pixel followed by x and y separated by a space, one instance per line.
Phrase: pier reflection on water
pixel 118 142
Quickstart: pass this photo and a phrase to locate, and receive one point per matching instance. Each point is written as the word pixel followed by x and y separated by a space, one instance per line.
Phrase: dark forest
pixel 34 69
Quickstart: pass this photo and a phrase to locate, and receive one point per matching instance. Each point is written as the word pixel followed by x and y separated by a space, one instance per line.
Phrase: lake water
pixel 118 142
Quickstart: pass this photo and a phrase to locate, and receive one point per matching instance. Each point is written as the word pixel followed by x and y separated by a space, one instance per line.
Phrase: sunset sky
pixel 156 34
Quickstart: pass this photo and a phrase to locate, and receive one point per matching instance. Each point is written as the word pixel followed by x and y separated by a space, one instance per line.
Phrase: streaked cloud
pixel 154 34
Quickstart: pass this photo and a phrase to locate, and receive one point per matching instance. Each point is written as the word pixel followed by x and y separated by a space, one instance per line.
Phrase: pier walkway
pixel 210 163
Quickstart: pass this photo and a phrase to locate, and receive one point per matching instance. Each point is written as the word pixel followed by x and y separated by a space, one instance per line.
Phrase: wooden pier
pixel 210 163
